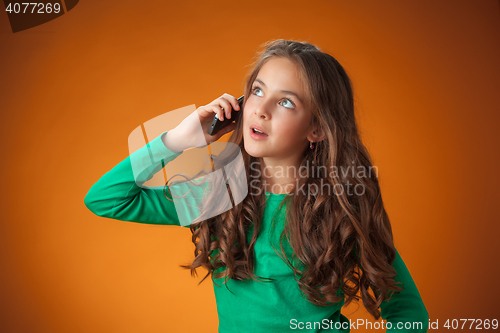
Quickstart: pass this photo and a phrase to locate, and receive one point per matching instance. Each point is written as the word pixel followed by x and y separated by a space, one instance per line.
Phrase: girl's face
pixel 278 105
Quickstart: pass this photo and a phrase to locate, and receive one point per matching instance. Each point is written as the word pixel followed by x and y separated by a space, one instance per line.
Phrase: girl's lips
pixel 256 136
pixel 257 127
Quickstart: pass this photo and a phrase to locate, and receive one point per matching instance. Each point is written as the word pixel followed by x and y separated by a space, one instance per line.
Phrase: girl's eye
pixel 285 99
pixel 255 88
pixel 291 103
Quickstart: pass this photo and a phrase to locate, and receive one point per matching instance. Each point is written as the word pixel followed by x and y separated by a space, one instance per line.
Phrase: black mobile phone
pixel 217 125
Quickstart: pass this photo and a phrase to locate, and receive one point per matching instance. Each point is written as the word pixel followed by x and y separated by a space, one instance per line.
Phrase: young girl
pixel 333 233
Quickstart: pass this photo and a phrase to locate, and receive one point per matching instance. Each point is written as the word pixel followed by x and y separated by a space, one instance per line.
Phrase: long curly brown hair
pixel 342 242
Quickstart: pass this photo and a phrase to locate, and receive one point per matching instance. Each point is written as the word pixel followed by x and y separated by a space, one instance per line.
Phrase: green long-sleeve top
pixel 247 306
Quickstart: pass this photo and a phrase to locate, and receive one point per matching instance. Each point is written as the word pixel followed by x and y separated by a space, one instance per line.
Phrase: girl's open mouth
pixel 257 135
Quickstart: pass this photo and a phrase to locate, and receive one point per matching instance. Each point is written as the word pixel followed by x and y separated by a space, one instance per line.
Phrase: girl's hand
pixel 193 130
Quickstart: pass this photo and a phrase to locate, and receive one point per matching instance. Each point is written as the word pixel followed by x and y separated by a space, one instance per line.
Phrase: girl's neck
pixel 278 177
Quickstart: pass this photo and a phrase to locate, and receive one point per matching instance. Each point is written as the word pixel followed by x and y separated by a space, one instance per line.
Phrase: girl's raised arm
pixel 117 194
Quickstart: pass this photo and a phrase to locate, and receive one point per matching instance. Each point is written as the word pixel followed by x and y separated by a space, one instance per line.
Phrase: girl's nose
pixel 262 111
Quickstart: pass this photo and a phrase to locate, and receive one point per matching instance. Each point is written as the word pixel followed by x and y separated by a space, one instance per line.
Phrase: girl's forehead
pixel 280 69
pixel 283 75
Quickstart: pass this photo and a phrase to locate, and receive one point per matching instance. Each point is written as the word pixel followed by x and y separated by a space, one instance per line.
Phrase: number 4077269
pixel 33 8
pixel 474 324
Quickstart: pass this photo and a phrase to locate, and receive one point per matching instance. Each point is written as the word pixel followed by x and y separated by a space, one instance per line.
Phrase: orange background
pixel 426 78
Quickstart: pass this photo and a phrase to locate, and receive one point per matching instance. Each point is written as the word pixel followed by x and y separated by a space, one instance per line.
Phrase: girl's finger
pixel 236 104
pixel 209 110
pixel 220 113
pixel 232 100
pixel 206 111
pixel 226 106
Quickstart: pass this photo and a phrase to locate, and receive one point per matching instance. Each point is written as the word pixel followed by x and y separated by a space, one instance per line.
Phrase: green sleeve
pixel 406 307
pixel 116 194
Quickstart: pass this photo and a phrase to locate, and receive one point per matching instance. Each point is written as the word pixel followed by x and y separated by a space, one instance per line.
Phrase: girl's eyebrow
pixel 284 91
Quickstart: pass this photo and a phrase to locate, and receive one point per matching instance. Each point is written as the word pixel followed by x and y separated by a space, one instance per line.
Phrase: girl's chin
pixel 254 151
